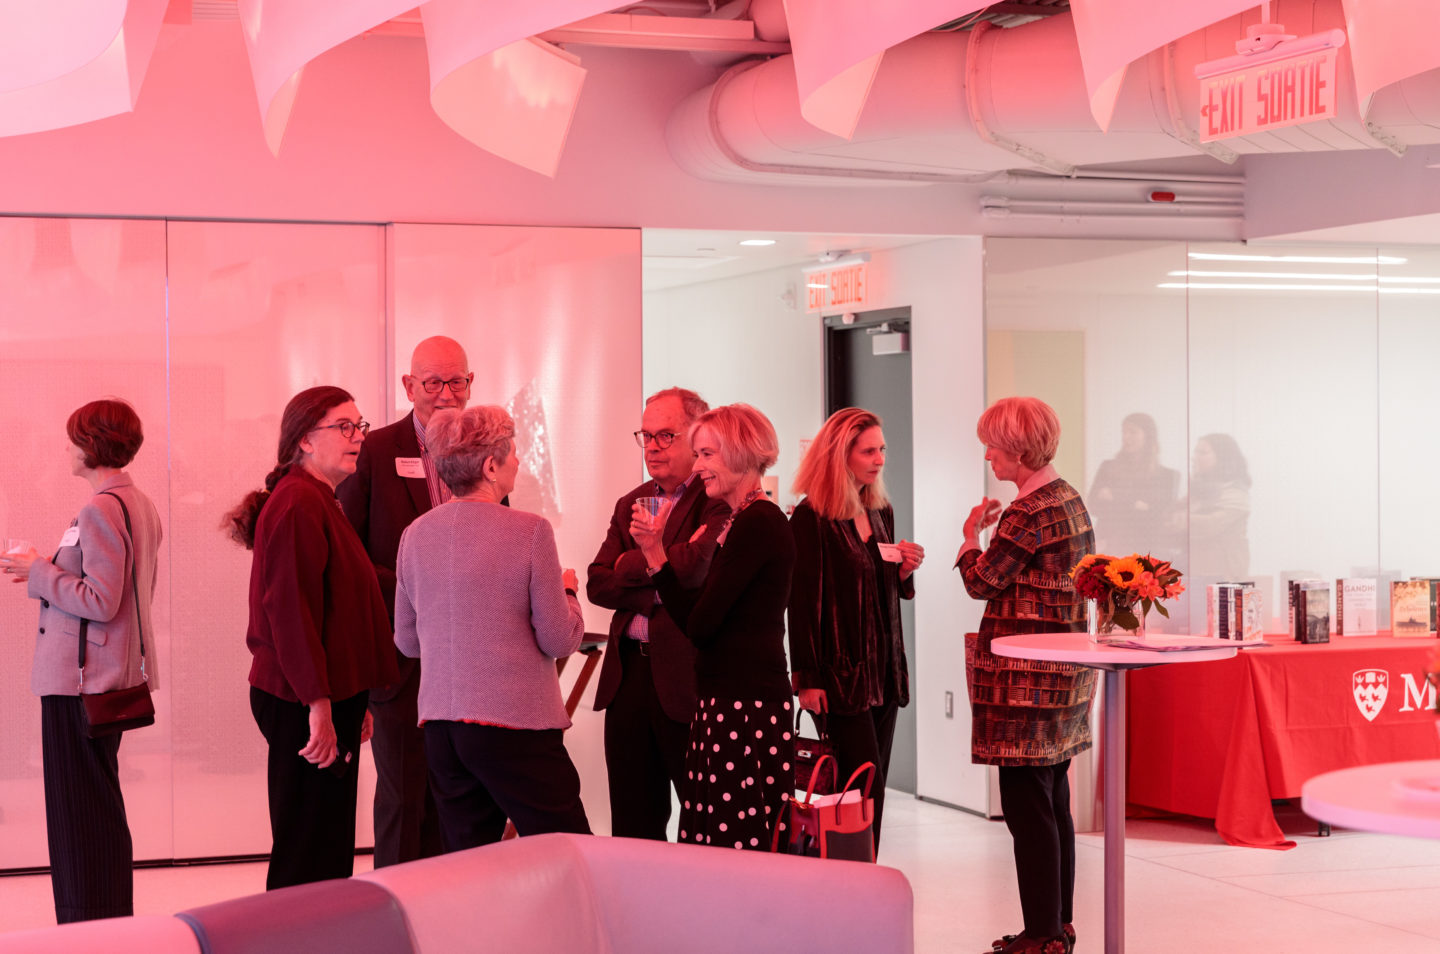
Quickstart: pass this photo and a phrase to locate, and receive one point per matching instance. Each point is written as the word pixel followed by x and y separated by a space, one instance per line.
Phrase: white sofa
pixel 581 893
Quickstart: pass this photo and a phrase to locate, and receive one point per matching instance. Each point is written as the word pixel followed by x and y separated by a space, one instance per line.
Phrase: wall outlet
pixel 949 704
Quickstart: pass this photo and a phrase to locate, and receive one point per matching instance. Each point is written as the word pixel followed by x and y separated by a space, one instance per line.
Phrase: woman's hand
pixel 570 580
pixel 982 516
pixel 367 727
pixel 17 564
pixel 648 532
pixel 911 556
pixel 814 700
pixel 322 748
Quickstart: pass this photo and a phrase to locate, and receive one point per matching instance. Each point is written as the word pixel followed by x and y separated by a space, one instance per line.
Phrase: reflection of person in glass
pixel 1218 509
pixel 1132 495
pixel 1029 718
pixel 95 592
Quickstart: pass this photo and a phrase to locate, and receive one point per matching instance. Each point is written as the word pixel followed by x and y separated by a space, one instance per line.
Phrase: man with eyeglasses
pixel 647 682
pixel 395 481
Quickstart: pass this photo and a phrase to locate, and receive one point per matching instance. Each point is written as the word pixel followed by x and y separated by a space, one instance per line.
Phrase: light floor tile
pixel 1185 889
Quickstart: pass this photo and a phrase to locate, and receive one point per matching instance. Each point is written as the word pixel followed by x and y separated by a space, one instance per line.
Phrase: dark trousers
pixel 312 810
pixel 90 849
pixel 644 750
pixel 406 824
pixel 865 737
pixel 483 774
pixel 1036 803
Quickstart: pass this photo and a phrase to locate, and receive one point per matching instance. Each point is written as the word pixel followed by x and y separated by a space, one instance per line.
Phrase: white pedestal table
pixel 1396 798
pixel 1114 661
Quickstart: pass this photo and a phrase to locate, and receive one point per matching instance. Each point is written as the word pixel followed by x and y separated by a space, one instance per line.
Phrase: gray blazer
pixel 91 580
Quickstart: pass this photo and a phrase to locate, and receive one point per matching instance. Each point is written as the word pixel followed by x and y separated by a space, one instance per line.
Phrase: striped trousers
pixel 90 850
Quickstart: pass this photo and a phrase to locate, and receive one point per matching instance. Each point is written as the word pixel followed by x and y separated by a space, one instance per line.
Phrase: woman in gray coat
pixel 90 579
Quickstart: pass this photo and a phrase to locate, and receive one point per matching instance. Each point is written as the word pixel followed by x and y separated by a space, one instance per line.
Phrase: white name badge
pixel 410 467
pixel 72 537
pixel 890 553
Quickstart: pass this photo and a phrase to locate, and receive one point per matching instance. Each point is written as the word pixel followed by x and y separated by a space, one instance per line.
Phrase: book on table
pixel 1410 608
pixel 1355 606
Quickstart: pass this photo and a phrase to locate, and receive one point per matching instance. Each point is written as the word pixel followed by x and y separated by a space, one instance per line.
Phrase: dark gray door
pixel 857 377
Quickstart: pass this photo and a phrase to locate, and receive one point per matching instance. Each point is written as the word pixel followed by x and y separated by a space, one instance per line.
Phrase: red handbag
pixel 830 826
pixel 809 752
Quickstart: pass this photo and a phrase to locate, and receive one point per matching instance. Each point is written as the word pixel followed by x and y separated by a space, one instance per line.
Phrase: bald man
pixel 395 482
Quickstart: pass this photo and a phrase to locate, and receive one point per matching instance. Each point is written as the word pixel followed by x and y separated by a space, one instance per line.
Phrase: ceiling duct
pixel 967 105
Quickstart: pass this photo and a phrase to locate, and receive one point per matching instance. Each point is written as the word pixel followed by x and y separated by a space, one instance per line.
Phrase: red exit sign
pixel 1285 90
pixel 840 289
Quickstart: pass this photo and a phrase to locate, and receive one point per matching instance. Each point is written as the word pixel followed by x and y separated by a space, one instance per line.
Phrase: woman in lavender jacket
pixel 104 574
pixel 481 598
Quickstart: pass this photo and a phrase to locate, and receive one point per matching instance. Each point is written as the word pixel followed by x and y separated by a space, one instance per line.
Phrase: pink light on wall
pixel 1390 41
pixel 105 84
pixel 1114 33
pixel 41 41
pixel 283 35
pixel 837 45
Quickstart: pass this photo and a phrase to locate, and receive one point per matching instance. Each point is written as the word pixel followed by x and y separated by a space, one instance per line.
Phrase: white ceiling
pixel 675 257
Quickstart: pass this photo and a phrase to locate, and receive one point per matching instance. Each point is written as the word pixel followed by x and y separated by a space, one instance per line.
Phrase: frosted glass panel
pixel 82 316
pixel 1283 394
pixel 1082 326
pixel 258 312
pixel 1252 371
pixel 1409 404
pixel 551 321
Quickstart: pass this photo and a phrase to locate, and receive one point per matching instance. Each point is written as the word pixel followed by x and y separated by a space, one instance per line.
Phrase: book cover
pixel 1355 606
pixel 1434 592
pixel 1410 608
pixel 1317 613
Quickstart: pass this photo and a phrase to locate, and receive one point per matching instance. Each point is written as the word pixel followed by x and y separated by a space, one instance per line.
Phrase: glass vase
pixel 1102 626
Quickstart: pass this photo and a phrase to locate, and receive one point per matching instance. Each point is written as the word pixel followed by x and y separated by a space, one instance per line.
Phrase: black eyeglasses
pixel 662 439
pixel 347 429
pixel 456 385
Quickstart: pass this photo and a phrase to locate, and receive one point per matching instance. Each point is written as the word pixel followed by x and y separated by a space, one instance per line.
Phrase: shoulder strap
pixel 134 582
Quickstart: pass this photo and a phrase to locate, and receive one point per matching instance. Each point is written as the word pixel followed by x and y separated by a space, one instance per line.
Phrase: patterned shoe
pixel 1069 932
pixel 1020 944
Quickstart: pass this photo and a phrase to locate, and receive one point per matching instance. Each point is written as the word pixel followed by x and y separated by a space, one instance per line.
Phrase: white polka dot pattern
pixel 729 773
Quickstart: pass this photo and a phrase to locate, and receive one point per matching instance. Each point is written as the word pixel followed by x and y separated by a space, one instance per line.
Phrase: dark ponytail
pixel 305 410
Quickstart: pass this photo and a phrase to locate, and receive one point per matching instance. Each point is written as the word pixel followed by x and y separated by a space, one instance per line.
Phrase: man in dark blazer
pixel 647 682
pixel 395 482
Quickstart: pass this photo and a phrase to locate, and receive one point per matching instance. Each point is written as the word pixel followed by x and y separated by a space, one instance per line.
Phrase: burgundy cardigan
pixel 318 624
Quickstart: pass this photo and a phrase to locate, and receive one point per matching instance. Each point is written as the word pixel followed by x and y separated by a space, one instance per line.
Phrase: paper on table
pixel 1165 644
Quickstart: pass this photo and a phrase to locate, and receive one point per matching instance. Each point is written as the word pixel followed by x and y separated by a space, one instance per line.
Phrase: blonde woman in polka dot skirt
pixel 738 764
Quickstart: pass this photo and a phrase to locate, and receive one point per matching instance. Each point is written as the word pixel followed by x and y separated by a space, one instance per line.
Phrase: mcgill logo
pixel 1370 688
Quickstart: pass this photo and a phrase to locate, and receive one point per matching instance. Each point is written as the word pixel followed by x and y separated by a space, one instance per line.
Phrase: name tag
pixel 890 553
pixel 410 467
pixel 71 538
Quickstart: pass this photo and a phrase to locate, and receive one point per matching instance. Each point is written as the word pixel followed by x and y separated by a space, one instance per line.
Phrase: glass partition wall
pixel 208 328
pixel 1249 412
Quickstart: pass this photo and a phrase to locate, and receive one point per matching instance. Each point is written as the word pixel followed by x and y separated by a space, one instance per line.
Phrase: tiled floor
pixel 1187 891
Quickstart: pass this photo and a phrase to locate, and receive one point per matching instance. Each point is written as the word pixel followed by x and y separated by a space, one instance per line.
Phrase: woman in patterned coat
pixel 1029 717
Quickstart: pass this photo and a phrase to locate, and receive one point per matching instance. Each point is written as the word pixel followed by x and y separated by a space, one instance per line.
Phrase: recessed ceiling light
pixel 1307 259
pixel 757 242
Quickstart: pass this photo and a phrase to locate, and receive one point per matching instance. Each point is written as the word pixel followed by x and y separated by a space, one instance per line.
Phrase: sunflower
pixel 1124 572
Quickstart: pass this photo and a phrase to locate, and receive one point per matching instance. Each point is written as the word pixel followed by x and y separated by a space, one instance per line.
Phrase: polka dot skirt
pixel 739 772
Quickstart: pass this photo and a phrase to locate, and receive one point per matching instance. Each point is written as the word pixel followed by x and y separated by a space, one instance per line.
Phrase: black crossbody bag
pixel 109 713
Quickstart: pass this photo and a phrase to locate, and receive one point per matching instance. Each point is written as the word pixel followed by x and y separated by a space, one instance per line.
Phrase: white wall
pixel 736 340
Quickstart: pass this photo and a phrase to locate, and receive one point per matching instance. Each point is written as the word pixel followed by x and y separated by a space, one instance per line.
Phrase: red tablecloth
pixel 1221 739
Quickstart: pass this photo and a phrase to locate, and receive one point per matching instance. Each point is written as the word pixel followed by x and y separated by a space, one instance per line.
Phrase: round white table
pixel 1397 798
pixel 1077 648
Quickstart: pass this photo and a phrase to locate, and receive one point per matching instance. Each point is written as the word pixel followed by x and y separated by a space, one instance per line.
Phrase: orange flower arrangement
pixel 1119 585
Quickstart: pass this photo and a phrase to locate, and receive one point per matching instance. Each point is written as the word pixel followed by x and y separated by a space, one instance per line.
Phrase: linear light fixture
pixel 1307 259
pixel 1335 276
pixel 1262 286
pixel 757 243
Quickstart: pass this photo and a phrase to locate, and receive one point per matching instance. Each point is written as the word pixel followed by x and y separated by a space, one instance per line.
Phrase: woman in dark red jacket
pixel 847 652
pixel 319 633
